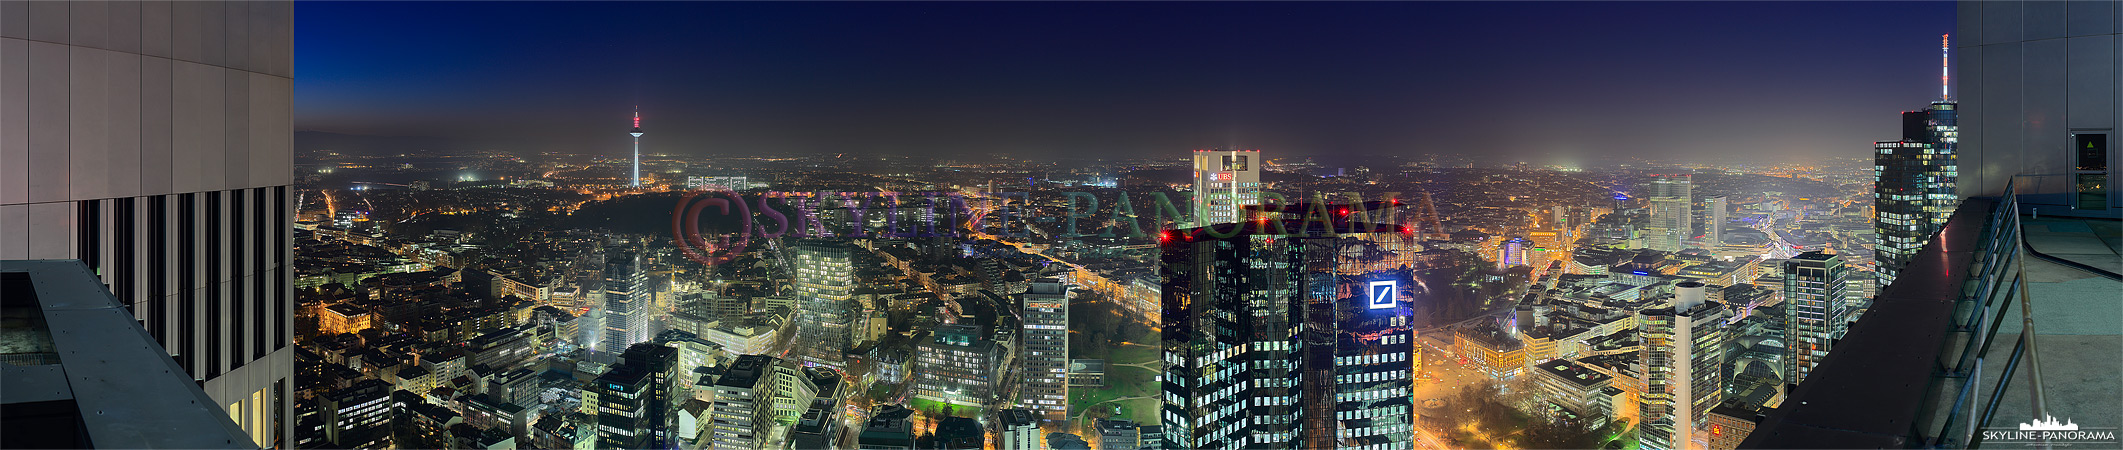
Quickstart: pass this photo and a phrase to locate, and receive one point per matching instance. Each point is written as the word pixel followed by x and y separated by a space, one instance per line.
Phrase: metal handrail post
pixel 2027 324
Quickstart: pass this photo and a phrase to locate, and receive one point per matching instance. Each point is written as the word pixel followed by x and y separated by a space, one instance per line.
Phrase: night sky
pixel 1546 82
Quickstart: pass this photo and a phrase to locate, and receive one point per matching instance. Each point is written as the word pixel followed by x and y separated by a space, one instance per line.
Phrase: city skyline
pixel 1035 226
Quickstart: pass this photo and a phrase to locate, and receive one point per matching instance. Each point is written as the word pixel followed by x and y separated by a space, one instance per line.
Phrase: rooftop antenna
pixel 1943 72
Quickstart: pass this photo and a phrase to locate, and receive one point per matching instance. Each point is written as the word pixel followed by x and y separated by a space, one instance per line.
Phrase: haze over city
pixel 1551 82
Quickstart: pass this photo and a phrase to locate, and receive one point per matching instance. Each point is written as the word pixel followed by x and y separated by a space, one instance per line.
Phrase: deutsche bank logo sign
pixel 1382 293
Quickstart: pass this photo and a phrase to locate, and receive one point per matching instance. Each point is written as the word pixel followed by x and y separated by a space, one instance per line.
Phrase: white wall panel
pixel 236 104
pixel 188 22
pixel 123 114
pixel 1968 84
pixel 2090 65
pixel 14 119
pixel 2042 20
pixel 2002 113
pixel 197 122
pixel 2042 147
pixel 48 21
pixel 2089 18
pixel 14 231
pixel 124 26
pixel 155 28
pixel 48 122
pixel 88 112
pixel 155 132
pixel 236 37
pixel 273 37
pixel 14 19
pixel 2001 22
pixel 1968 28
pixel 88 24
pixel 51 230
pixel 272 161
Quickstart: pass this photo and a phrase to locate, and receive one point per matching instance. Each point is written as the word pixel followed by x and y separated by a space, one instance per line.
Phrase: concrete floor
pixel 2078 323
pixel 2094 243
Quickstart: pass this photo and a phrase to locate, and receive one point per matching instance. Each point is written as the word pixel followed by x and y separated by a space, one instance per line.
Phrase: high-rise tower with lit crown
pixel 1915 183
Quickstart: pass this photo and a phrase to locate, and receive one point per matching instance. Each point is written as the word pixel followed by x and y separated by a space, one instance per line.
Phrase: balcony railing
pixel 1910 373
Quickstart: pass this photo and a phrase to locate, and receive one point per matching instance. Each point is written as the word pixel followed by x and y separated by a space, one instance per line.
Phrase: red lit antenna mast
pixel 1944 45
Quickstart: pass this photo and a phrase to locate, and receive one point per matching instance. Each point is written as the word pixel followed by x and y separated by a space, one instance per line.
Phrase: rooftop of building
pixel 1573 372
pixel 1019 417
pixel 746 371
pixel 346 310
pixel 1493 338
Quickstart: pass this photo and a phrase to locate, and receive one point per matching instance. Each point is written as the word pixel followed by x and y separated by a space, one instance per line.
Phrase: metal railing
pixel 2000 268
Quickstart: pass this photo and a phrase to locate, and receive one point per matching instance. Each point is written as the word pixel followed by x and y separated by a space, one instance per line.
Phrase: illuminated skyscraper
pixel 1914 186
pixel 1224 181
pixel 1683 358
pixel 1279 335
pixel 153 141
pixel 1045 390
pixel 632 401
pixel 626 300
pixel 1815 310
pixel 743 404
pixel 1671 220
pixel 824 284
pixel 635 180
pixel 1714 226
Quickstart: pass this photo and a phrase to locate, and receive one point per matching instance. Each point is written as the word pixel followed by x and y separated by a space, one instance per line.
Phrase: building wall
pixel 2028 73
pixel 1045 387
pixel 114 116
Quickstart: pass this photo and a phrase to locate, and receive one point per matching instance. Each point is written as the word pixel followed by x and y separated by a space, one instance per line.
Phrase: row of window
pixel 206 273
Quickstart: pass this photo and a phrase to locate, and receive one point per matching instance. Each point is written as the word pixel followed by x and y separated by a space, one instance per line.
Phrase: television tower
pixel 636 181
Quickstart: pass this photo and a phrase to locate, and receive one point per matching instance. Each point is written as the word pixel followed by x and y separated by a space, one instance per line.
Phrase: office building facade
pixel 743 404
pixel 1816 312
pixel 1045 387
pixel 824 284
pixel 153 141
pixel 1671 212
pixel 626 300
pixel 1914 186
pixel 1297 337
pixel 1224 182
pixel 1683 360
pixel 956 366
pixel 1716 211
pixel 632 400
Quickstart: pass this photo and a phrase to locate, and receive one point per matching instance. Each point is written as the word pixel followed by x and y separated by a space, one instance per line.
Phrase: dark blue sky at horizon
pixel 1547 82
